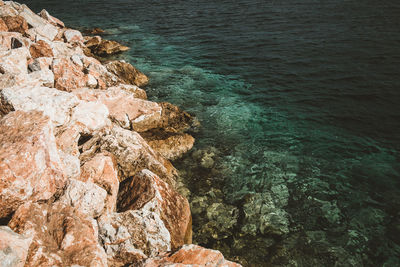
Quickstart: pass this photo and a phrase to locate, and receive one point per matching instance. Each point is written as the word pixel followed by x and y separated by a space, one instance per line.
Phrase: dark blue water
pixel 298 95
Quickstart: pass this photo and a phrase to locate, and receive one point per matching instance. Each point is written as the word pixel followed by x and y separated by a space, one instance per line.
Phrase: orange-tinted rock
pixel 170 146
pixel 55 21
pixel 16 24
pixel 3 26
pixel 173 119
pixel 107 47
pixel 73 36
pixel 131 89
pixel 12 40
pixel 30 167
pixel 191 255
pixel 127 73
pixel 91 42
pixel 99 72
pixel 67 75
pixel 13 247
pixel 102 170
pixel 67 139
pixel 41 49
pixel 146 191
pixel 62 236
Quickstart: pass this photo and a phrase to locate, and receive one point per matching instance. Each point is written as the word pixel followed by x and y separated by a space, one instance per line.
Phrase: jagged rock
pixel 190 255
pixel 67 138
pixel 126 110
pixel 62 235
pixel 44 14
pixel 41 49
pixel 131 151
pixel 132 236
pixel 16 24
pixel 41 63
pixel 87 198
pixel 146 191
pixel 13 248
pixel 67 75
pixel 102 170
pixel 171 146
pixel 127 73
pixel 65 50
pixel 44 77
pixel 54 103
pixel 14 61
pixel 97 70
pixel 107 47
pixel 73 36
pixel 12 40
pixel 91 116
pixel 30 167
pixel 39 25
pixel 3 26
pixel 72 164
pixel 132 89
pixel 92 42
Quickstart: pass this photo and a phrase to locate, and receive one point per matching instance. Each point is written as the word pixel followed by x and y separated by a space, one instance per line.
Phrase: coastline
pixel 85 170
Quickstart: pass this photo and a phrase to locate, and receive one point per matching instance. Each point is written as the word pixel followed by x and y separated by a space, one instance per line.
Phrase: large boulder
pixel 68 76
pixel 13 248
pixel 104 78
pixel 55 21
pixel 61 235
pixel 146 191
pixel 16 24
pixel 30 167
pixel 133 236
pixel 190 255
pixel 131 151
pixel 127 73
pixel 39 26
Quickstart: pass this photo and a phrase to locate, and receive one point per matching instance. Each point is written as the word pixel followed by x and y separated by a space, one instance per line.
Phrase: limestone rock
pixel 67 75
pixel 73 36
pixel 41 49
pixel 102 170
pixel 12 40
pixel 54 103
pixel 107 47
pixel 27 143
pixel 131 89
pixel 16 24
pixel 64 50
pixel 13 248
pixel 146 191
pixel 62 236
pixel 14 61
pixel 131 152
pixel 44 77
pixel 91 116
pixel 132 236
pixel 39 25
pixel 44 14
pixel 127 73
pixel 190 255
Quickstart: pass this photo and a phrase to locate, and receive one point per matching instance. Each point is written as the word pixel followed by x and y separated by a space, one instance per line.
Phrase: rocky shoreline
pixel 85 171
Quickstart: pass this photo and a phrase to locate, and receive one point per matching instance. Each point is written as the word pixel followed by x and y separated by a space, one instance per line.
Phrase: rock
pixel 39 25
pixel 12 40
pixel 67 138
pixel 131 89
pixel 54 103
pixel 146 191
pixel 15 61
pixel 125 110
pixel 77 60
pixel 62 236
pixel 107 47
pixel 27 143
pixel 41 63
pixel 132 236
pixel 16 24
pixel 13 248
pixel 65 50
pixel 190 255
pixel 3 26
pixel 7 10
pixel 91 116
pixel 87 198
pixel 171 146
pixel 44 77
pixel 41 49
pixel 91 81
pixel 131 152
pixel 99 72
pixel 102 170
pixel 127 73
pixel 94 31
pixel 92 42
pixel 73 36
pixel 173 119
pixel 67 75
pixel 72 164
pixel 45 15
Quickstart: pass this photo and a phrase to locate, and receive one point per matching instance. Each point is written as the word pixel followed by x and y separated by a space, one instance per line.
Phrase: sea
pixel 297 159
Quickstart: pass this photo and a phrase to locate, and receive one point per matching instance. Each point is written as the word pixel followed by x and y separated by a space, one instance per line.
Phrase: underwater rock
pixel 27 143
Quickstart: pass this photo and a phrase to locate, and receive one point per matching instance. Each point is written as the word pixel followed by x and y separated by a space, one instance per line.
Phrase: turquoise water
pixel 298 100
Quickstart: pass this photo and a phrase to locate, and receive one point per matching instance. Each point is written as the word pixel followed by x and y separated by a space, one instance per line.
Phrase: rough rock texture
pixel 61 235
pixel 102 170
pixel 91 116
pixel 13 40
pixel 107 47
pixel 44 14
pixel 99 72
pixel 91 42
pixel 190 255
pixel 30 167
pixel 132 236
pixel 3 26
pixel 73 36
pixel 67 75
pixel 146 191
pixel 41 49
pixel 131 152
pixel 132 89
pixel 13 248
pixel 16 24
pixel 173 119
pixel 40 27
pixel 127 73
pixel 14 61
pixel 43 77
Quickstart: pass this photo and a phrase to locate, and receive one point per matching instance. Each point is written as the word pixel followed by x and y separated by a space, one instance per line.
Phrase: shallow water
pixel 297 95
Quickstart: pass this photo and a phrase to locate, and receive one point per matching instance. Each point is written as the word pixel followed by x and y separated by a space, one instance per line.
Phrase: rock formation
pixel 85 176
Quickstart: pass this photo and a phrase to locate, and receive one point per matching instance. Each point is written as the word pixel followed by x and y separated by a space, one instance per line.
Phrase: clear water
pixel 305 92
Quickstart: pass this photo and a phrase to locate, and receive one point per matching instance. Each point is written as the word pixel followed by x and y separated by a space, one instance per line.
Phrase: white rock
pixel 15 61
pixel 39 25
pixel 77 60
pixel 92 82
pixel 73 36
pixel 72 165
pixel 44 77
pixel 93 116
